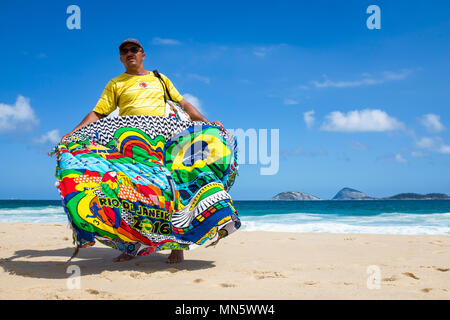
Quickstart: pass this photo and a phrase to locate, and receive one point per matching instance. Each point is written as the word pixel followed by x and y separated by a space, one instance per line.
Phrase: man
pixel 138 92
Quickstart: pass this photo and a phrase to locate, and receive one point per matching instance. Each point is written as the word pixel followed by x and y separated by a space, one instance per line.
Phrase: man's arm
pixel 194 113
pixel 90 117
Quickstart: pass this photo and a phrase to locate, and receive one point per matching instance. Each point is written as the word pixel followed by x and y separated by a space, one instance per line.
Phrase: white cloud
pixel 392 158
pixel 261 51
pixel 264 51
pixel 299 151
pixel 427 143
pixel 390 75
pixel 367 120
pixel 358 145
pixel 308 117
pixel 165 42
pixel 52 136
pixel 199 78
pixel 417 154
pixel 432 122
pixel 344 84
pixel 194 101
pixel 19 116
pixel 365 81
pixel 444 148
pixel 435 144
pixel 288 101
pixel 399 158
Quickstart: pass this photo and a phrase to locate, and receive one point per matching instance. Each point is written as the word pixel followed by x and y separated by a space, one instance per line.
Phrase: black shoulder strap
pixel 166 91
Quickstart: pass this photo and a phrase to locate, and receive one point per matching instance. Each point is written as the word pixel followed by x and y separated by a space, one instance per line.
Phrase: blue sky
pixel 354 107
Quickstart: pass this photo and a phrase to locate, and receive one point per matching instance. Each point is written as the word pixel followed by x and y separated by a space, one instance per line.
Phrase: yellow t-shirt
pixel 136 95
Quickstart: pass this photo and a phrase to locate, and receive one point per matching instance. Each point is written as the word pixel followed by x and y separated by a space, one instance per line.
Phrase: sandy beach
pixel 246 265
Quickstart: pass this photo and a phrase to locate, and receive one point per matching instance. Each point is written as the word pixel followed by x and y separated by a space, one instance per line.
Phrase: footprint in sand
pixel 227 285
pixel 411 275
pixel 310 283
pixel 165 273
pixel 442 269
pixel 345 283
pixel 267 274
pixel 139 275
pixel 57 297
pixel 426 290
pixel 198 280
pixel 92 291
pixel 392 278
pixel 101 294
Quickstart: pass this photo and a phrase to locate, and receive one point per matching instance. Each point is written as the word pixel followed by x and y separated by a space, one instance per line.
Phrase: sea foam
pixel 383 223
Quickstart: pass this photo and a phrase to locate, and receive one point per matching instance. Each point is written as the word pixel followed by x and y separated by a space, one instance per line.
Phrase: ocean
pixel 325 216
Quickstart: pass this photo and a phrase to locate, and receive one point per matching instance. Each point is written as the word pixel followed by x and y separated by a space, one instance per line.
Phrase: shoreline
pixel 242 229
pixel 246 265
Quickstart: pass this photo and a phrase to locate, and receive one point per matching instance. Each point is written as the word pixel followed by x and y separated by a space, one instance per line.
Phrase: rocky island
pixel 351 194
pixel 417 196
pixel 293 195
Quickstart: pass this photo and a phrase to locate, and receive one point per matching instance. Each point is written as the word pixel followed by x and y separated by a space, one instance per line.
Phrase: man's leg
pixel 175 256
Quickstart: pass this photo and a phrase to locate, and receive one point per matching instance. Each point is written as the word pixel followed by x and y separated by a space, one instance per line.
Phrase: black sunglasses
pixel 132 49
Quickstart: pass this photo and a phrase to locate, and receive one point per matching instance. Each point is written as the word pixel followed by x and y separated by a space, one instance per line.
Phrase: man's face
pixel 131 59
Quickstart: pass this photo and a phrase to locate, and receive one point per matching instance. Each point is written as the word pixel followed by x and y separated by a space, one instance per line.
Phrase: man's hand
pixel 64 137
pixel 219 124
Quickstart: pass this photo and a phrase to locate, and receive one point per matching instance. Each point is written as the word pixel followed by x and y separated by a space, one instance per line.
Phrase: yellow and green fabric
pixel 141 184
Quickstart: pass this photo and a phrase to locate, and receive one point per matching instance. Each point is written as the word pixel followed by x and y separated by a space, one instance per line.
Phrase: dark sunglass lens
pixel 133 49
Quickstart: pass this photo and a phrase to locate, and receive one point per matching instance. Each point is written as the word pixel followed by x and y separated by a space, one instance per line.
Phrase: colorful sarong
pixel 142 184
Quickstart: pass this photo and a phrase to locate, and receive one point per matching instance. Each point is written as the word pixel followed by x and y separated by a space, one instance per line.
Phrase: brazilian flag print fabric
pixel 142 184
